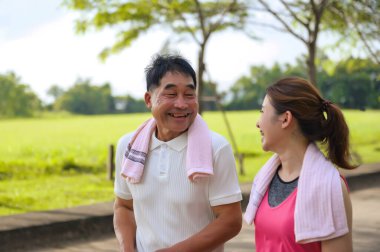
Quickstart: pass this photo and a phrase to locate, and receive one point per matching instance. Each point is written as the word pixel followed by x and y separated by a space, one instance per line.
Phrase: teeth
pixel 178 115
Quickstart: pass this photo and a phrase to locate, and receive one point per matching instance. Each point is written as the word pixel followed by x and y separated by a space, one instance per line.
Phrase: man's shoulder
pixel 218 141
pixel 125 139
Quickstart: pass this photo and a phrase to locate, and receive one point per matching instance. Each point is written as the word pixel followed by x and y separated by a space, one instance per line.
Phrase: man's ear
pixel 148 99
pixel 287 118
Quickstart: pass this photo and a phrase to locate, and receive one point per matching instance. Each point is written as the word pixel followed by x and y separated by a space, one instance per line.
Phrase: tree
pixel 129 104
pixel 248 92
pixel 196 19
pixel 16 98
pixel 358 22
pixel 302 19
pixel 353 83
pixel 55 91
pixel 84 98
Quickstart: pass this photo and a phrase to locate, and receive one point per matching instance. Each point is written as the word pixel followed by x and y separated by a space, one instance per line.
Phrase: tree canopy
pixel 353 83
pixel 84 98
pixel 16 98
pixel 354 22
pixel 194 19
pixel 358 23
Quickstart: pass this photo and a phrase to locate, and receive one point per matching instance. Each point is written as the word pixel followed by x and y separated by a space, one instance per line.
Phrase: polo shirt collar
pixel 177 143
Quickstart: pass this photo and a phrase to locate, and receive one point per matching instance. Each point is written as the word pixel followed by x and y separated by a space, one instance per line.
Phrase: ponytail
pixel 336 136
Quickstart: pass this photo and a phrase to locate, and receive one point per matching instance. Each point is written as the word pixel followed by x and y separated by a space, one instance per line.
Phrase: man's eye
pixel 190 95
pixel 170 94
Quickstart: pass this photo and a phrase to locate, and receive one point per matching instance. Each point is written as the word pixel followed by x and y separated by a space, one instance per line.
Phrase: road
pixel 366 226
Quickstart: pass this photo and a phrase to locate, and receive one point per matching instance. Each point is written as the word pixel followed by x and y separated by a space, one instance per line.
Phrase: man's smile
pixel 179 115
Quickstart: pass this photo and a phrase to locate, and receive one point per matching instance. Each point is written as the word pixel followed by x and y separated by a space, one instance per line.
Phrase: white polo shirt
pixel 168 207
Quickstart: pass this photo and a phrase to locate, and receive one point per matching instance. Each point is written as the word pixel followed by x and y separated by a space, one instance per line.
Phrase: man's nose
pixel 180 102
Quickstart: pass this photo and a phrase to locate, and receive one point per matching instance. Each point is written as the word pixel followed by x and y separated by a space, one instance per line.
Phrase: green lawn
pixel 59 161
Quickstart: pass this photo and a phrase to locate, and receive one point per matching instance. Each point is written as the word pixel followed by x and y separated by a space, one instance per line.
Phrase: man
pixel 166 207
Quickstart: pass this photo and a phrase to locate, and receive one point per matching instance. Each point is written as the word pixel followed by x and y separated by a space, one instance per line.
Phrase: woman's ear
pixel 287 118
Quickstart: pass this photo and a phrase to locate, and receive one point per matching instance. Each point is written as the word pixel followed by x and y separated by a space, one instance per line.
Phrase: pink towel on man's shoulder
pixel 319 211
pixel 198 155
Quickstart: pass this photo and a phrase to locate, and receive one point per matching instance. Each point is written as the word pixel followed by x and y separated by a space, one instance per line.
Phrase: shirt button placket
pixel 164 162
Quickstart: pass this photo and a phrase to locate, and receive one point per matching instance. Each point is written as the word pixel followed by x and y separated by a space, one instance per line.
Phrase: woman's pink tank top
pixel 274 227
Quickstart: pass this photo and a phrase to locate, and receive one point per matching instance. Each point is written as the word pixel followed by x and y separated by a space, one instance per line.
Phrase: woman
pixel 298 201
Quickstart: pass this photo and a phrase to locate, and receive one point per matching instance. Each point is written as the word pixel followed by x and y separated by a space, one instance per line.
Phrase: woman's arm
pixel 342 243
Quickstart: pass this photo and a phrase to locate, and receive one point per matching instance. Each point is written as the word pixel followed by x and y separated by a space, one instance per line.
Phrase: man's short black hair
pixel 161 64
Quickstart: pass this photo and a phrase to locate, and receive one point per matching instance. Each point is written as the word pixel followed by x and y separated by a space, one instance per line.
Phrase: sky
pixel 39 44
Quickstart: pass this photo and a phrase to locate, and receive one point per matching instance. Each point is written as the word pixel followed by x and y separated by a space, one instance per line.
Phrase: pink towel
pixel 319 211
pixel 198 155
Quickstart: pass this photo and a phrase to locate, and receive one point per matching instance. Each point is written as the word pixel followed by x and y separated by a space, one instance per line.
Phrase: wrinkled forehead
pixel 176 77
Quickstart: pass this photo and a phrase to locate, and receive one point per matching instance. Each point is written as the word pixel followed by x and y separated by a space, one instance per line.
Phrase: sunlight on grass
pixel 59 161
pixel 53 192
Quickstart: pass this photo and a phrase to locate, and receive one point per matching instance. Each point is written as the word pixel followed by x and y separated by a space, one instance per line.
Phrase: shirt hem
pixel 123 195
pixel 226 199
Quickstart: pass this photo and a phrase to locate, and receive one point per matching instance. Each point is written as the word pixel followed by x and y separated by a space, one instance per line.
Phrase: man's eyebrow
pixel 170 85
pixel 192 86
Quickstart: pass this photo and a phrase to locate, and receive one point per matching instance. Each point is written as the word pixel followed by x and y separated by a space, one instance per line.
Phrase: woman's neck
pixel 291 160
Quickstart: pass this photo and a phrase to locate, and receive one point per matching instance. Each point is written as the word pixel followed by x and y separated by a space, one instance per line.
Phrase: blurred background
pixel 72 81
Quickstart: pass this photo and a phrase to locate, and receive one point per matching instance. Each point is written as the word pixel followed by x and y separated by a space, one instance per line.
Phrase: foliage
pixel 210 96
pixel 84 98
pixel 129 104
pixel 249 91
pixel 352 83
pixel 193 19
pixel 55 91
pixel 358 23
pixel 16 98
pixel 301 19
pixel 132 18
pixel 355 22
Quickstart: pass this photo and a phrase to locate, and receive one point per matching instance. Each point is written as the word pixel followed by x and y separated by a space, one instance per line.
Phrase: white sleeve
pixel 121 188
pixel 224 184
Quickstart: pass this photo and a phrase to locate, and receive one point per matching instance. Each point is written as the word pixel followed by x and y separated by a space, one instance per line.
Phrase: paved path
pixel 366 226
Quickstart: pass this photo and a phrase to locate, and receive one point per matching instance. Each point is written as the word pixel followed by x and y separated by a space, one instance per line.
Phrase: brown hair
pixel 319 119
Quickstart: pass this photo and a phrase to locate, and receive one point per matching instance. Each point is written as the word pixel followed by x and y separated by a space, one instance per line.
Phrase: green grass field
pixel 59 161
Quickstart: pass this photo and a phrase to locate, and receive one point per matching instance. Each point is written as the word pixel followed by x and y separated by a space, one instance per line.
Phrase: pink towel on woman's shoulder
pixel 319 211
pixel 198 155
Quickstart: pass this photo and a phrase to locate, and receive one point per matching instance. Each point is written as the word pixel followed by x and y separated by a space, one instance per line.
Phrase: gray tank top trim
pixel 279 190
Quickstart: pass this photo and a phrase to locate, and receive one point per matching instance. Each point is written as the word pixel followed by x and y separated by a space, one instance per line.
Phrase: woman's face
pixel 269 124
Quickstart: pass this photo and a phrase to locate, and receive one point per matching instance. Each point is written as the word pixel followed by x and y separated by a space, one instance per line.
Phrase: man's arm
pixel 342 243
pixel 227 224
pixel 124 224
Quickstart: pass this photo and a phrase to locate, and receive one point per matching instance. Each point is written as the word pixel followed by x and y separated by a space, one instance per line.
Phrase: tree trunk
pixel 201 70
pixel 310 61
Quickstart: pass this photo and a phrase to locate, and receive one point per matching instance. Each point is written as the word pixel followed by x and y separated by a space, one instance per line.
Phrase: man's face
pixel 174 105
